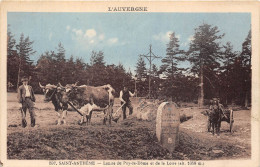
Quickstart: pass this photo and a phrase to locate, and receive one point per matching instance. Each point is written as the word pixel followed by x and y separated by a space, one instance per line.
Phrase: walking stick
pixel 120 107
pixel 24 123
pixel 116 119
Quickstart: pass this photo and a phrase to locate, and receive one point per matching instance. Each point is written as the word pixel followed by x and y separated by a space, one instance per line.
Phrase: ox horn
pixel 41 85
pixel 76 83
pixel 59 84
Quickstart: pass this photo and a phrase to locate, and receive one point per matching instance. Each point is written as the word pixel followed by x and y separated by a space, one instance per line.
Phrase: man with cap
pixel 124 97
pixel 27 99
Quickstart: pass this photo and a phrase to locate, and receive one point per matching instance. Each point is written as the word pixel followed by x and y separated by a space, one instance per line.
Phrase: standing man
pixel 27 99
pixel 124 97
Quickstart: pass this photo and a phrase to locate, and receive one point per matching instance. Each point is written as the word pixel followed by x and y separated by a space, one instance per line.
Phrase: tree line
pixel 215 70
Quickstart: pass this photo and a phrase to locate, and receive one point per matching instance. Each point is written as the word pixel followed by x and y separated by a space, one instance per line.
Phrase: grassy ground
pixel 127 139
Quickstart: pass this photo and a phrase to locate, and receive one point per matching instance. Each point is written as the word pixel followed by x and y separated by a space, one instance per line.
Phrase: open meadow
pixel 128 139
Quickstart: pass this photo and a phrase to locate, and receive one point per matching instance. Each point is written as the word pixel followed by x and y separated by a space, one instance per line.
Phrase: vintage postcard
pixel 129 83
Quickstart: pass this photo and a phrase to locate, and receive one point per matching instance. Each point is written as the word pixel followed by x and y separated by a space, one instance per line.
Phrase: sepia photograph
pixel 129 84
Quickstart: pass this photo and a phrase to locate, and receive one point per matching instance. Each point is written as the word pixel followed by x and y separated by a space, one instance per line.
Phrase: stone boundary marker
pixel 167 125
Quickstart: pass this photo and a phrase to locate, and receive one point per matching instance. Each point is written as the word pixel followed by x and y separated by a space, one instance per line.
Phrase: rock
pixel 240 147
pixel 144 116
pixel 138 115
pixel 146 110
pixel 217 151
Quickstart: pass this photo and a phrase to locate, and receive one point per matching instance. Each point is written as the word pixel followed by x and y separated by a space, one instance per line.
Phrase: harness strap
pixel 222 110
pixel 52 94
pixel 108 99
pixel 75 108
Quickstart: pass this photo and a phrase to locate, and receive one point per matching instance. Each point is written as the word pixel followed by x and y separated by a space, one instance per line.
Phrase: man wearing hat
pixel 27 99
pixel 124 97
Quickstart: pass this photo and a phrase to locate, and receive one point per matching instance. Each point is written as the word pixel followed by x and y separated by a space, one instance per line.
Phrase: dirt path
pixel 227 144
pixel 241 127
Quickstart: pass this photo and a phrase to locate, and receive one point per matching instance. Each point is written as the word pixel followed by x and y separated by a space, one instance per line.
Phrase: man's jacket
pixel 22 92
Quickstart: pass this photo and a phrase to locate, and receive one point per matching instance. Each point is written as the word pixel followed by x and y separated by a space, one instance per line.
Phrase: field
pixel 128 139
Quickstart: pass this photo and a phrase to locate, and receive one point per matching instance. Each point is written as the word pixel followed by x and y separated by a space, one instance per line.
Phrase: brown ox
pixel 90 98
pixel 54 94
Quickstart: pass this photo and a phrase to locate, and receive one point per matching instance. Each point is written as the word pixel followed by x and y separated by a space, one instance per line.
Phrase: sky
pixel 121 36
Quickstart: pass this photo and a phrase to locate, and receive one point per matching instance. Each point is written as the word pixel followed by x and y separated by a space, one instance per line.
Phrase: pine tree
pixel 246 50
pixel 123 79
pixel 97 68
pixel 228 59
pixel 155 72
pixel 204 53
pixel 79 72
pixel 59 59
pixel 141 68
pixel 97 58
pixel 155 80
pixel 12 59
pixel 169 67
pixel 246 59
pixel 173 56
pixel 60 56
pixel 70 74
pixel 24 51
pixel 239 75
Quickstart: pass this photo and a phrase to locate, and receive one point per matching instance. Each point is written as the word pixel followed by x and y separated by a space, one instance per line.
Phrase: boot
pixel 24 123
pixel 32 122
pixel 115 119
pixel 130 112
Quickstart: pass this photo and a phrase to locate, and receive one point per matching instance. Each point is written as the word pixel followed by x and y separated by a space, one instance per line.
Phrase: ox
pixel 214 116
pixel 225 115
pixel 214 119
pixel 90 98
pixel 55 94
pixel 217 114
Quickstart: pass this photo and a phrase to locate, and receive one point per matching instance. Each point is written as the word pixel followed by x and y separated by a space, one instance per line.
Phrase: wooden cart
pixel 228 117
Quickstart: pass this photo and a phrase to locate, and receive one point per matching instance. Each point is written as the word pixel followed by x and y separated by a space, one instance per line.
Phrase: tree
pixel 155 81
pixel 246 51
pixel 79 72
pixel 12 58
pixel 97 68
pixel 24 51
pixel 59 62
pixel 227 59
pixel 60 56
pixel 228 56
pixel 204 53
pixel 46 68
pixel 173 56
pixel 155 72
pixel 97 58
pixel 141 68
pixel 70 74
pixel 239 75
pixel 121 76
pixel 246 60
pixel 170 62
pixel 111 78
